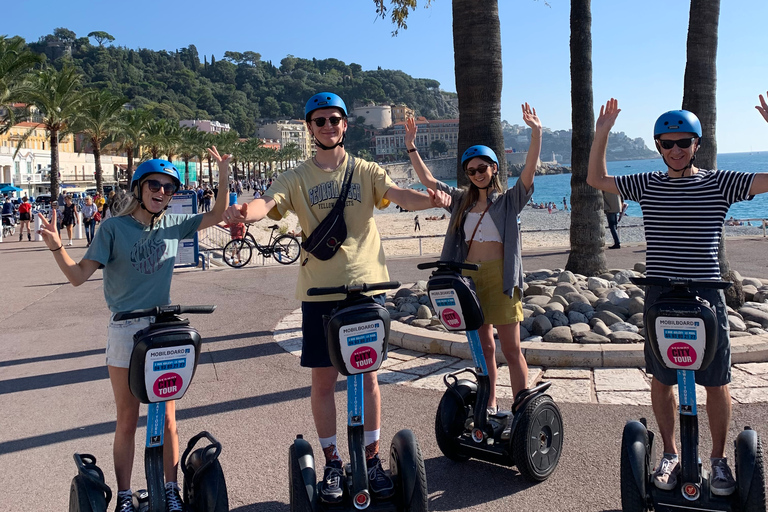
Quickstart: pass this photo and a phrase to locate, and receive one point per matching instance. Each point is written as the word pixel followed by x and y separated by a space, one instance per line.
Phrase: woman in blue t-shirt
pixel 137 249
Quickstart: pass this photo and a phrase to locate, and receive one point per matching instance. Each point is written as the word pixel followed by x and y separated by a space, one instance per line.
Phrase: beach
pixel 539 229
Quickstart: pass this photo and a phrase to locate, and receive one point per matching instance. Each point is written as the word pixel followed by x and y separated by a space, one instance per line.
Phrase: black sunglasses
pixel 168 188
pixel 320 121
pixel 480 169
pixel 681 143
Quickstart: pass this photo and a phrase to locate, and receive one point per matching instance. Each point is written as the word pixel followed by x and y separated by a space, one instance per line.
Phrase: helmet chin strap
pixel 323 146
pixel 690 165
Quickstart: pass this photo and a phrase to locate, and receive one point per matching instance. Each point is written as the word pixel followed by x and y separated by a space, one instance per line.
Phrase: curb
pixel 744 349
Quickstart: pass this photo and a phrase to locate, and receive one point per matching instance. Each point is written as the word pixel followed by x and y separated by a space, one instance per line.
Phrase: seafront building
pixel 392 142
pixel 286 132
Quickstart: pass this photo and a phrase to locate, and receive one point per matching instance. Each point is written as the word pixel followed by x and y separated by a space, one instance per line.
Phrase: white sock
pixel 371 436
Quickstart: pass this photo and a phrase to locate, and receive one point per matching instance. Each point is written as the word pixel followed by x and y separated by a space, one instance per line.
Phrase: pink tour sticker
pixel 681 354
pixel 167 385
pixel 451 318
pixel 363 358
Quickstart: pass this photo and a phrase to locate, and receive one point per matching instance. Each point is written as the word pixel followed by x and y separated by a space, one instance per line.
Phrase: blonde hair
pixel 127 203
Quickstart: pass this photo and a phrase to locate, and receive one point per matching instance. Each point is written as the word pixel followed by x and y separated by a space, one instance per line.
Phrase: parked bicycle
pixel 285 248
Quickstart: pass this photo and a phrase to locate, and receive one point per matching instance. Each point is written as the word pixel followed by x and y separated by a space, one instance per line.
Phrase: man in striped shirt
pixel 684 210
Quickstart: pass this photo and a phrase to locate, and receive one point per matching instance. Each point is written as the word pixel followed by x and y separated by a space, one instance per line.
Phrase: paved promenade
pixel 253 396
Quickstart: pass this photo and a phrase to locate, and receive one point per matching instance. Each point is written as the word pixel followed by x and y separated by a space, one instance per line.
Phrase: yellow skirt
pixel 498 307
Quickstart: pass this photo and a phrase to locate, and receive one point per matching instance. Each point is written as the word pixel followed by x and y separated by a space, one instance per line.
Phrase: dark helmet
pixel 478 150
pixel 156 166
pixel 324 100
pixel 677 121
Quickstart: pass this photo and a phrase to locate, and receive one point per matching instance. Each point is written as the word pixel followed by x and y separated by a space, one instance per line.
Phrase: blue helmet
pixel 324 100
pixel 156 166
pixel 478 150
pixel 677 121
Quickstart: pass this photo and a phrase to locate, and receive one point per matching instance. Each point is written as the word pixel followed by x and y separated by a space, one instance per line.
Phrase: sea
pixel 553 187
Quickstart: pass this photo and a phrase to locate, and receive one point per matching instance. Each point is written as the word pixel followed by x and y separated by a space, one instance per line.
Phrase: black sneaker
pixel 124 503
pixel 721 479
pixel 173 501
pixel 379 482
pixel 330 487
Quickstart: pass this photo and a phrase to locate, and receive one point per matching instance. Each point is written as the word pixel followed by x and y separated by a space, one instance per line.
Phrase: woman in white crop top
pixel 483 230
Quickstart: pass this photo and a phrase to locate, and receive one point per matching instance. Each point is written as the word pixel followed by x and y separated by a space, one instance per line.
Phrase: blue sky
pixel 638 48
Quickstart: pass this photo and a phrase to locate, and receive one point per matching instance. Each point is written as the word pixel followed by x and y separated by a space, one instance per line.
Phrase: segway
pixel 682 331
pixel 163 363
pixel 357 334
pixel 530 435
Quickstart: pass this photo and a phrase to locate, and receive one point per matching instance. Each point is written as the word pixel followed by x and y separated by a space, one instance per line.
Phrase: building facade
pixel 205 125
pixel 289 131
pixel 446 130
pixel 378 116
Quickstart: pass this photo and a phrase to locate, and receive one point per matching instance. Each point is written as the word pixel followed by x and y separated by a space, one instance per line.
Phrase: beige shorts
pixel 498 307
pixel 120 340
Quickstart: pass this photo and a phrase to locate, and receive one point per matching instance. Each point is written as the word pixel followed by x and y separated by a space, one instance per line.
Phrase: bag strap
pixel 347 183
pixel 477 226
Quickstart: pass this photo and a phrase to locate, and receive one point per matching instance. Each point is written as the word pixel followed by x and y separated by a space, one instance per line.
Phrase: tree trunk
pixel 587 233
pixel 97 163
pixel 210 172
pixel 129 172
pixel 186 170
pixel 700 97
pixel 54 163
pixel 477 55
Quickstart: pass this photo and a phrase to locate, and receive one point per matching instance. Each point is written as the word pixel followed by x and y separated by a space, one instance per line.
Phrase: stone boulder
pixel 408 308
pixel 625 337
pixel 541 325
pixel 557 318
pixel 594 283
pixel 560 334
pixel 563 288
pixel 736 323
pixel 575 297
pixel 617 297
pixel 623 326
pixel 580 329
pixel 559 300
pixel 592 337
pixel 554 306
pixel 574 317
pixel 607 317
pixel 598 327
pixel 423 312
pixel 566 277
pixel 755 315
pixel 623 276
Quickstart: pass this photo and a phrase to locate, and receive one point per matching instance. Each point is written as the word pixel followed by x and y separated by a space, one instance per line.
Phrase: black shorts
pixel 25 216
pixel 314 346
pixel 718 373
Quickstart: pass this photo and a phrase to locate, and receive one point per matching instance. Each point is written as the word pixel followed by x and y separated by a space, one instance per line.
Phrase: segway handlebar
pixel 680 283
pixel 448 265
pixel 353 288
pixel 163 310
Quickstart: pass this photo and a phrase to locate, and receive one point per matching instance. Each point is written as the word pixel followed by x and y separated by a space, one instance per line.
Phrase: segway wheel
pixel 299 498
pixel 450 417
pixel 408 473
pixel 749 461
pixel 538 439
pixel 84 499
pixel 632 499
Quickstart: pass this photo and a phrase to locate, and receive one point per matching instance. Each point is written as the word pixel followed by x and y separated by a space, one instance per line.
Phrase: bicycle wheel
pixel 286 249
pixel 237 253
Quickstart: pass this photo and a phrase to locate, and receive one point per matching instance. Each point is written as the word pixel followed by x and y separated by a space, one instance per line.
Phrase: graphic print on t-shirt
pixel 330 190
pixel 147 255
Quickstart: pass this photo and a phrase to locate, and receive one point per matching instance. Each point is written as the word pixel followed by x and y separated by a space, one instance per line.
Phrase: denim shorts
pixel 718 373
pixel 314 346
pixel 498 307
pixel 120 339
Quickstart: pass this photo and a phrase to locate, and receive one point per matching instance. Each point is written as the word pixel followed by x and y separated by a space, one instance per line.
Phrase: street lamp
pixel 29 185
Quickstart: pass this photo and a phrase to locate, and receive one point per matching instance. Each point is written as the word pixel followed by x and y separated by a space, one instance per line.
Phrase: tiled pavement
pixel 603 385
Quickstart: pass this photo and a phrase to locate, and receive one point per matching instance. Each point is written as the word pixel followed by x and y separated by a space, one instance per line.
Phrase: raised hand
pixel 608 114
pixel 220 159
pixel 410 132
pixel 530 118
pixel 48 231
pixel 763 107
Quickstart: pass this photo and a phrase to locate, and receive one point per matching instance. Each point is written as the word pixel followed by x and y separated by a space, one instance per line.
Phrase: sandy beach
pixel 539 229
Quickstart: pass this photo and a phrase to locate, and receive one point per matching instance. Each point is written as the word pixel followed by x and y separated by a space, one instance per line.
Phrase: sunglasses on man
pixel 320 121
pixel 480 169
pixel 681 143
pixel 168 188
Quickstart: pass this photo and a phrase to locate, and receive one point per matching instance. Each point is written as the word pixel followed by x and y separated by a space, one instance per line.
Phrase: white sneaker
pixel 69 243
pixel 665 476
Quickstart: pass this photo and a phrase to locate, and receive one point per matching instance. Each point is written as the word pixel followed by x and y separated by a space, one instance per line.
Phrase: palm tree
pixel 291 152
pixel 131 131
pixel 477 56
pixel 58 98
pixel 156 135
pixel 191 146
pixel 700 97
pixel 587 255
pixel 16 64
pixel 99 120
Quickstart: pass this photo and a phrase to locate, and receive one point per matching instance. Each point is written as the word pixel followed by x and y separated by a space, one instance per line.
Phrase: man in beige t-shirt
pixel 311 191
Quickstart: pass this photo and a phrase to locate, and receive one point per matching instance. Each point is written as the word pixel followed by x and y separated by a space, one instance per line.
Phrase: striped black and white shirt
pixel 683 218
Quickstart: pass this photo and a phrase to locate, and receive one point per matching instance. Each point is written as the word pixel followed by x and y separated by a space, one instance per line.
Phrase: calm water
pixel 552 188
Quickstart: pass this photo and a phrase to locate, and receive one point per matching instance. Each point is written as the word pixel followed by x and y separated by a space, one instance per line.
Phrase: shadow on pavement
pixel 108 427
pixel 51 380
pixel 464 484
pixel 53 357
pixel 267 506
